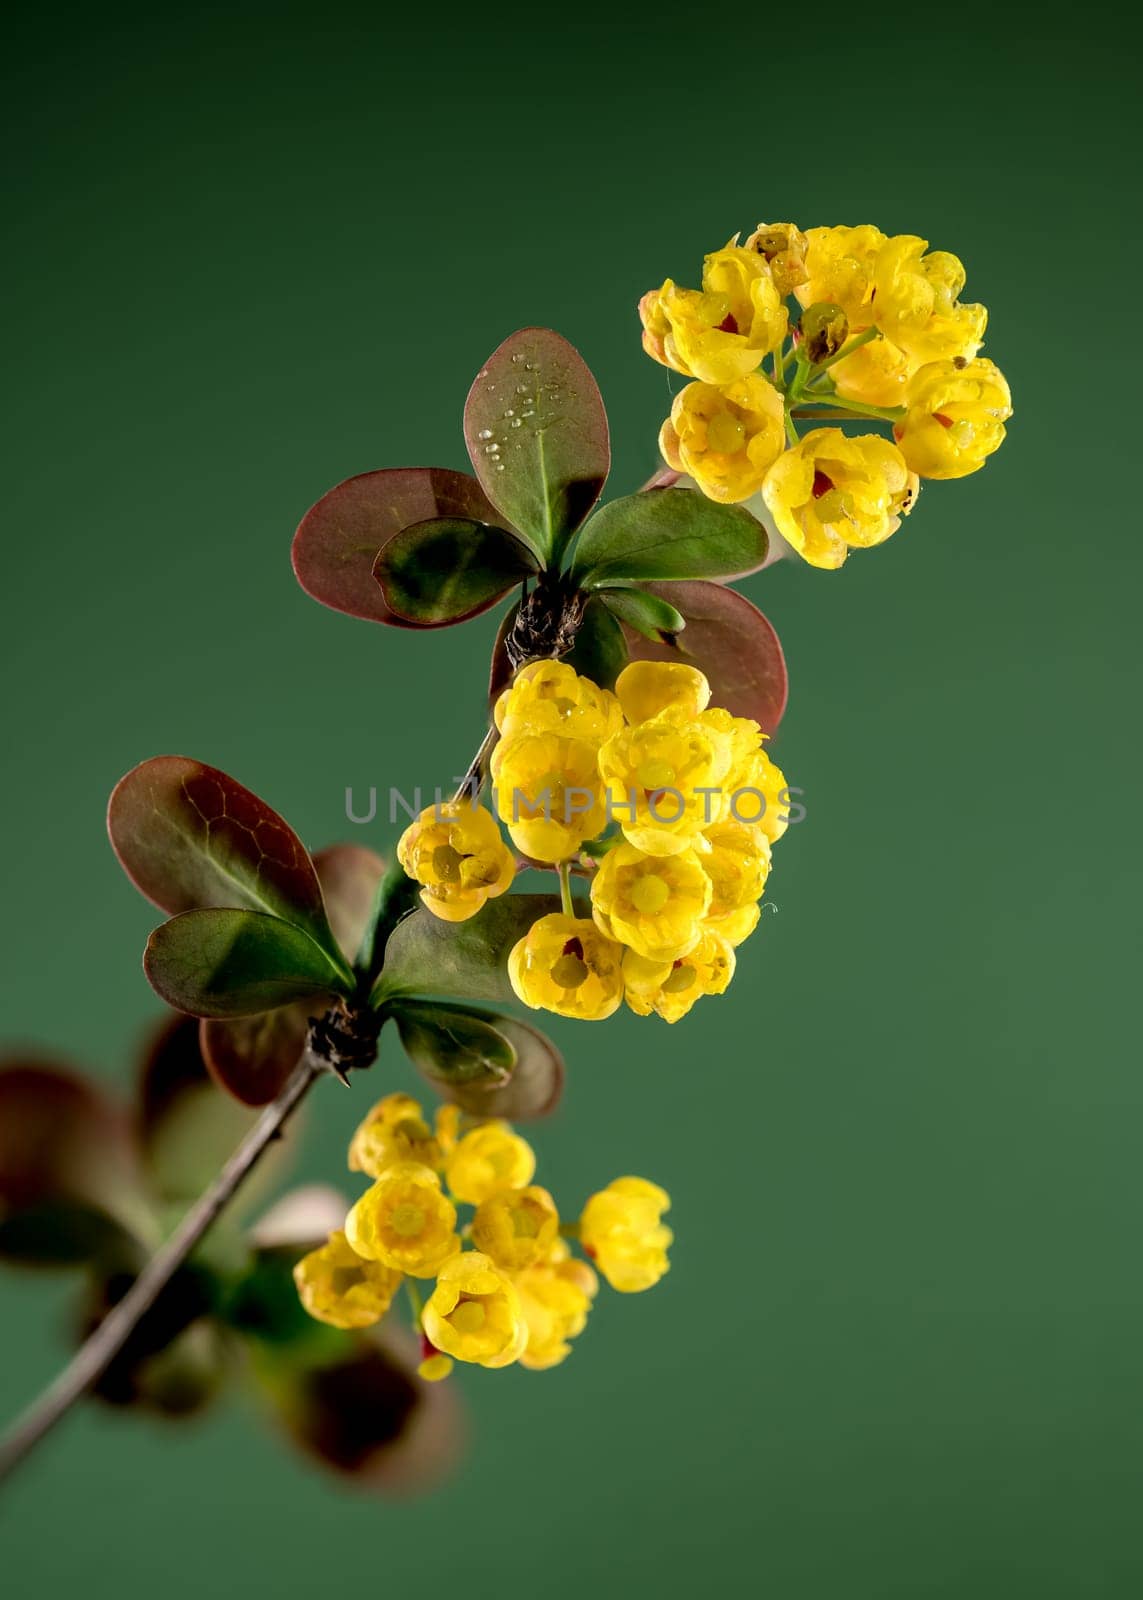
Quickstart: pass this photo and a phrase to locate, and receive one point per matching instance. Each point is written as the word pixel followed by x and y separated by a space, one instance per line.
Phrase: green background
pixel 258 250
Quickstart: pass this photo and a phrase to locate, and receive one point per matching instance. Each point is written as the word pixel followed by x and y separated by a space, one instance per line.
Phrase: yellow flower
pixel 671 990
pixel 664 780
pixel 405 1221
pixel 840 267
pixel 956 417
pixel 548 793
pixel 830 494
pixel 725 438
pixel 721 332
pixel 622 1232
pixel 455 851
pixel 757 797
pixel 447 1129
pixel 551 697
pixel 516 1227
pixel 474 1313
pixel 654 904
pixel 555 1297
pixel 916 305
pixel 338 1286
pixel 395 1130
pixel 565 964
pixel 488 1159
pixel 782 246
pixel 435 1368
pixel 737 865
pixel 875 375
pixel 644 688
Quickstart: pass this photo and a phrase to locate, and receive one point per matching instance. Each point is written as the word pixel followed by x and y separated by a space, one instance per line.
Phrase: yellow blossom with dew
pixel 654 904
pixel 956 416
pixel 394 1130
pixel 916 301
pixel 725 437
pixel 455 851
pixel 644 688
pixel 622 1231
pixel 548 793
pixel 830 494
pixel 664 780
pixel 551 697
pixel 567 965
pixel 555 1298
pixel 516 1228
pixel 670 990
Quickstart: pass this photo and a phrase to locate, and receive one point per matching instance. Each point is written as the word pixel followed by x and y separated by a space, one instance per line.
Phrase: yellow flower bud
pixel 721 332
pixel 915 301
pixel 395 1130
pixel 664 780
pixel 551 697
pixel 405 1221
pixel 474 1313
pixel 782 246
pixel 957 411
pixel 548 793
pixel 725 438
pixel 644 688
pixel 840 266
pixel 672 991
pixel 435 1368
pixel 489 1159
pixel 830 494
pixel 757 796
pixel 555 1297
pixel 338 1286
pixel 516 1227
pixel 565 964
pixel 455 851
pixel 654 904
pixel 621 1230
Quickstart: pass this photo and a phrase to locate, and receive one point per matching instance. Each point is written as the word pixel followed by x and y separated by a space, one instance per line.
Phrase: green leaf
pixel 426 956
pixel 189 836
pixel 454 1047
pixel 643 611
pixel 600 651
pixel 449 569
pixel 339 538
pixel 732 642
pixel 536 1083
pixel 224 963
pixel 537 434
pixel 668 533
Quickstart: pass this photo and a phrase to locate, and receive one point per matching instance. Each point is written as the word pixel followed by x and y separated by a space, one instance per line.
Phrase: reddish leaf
pixel 251 1057
pixel 69 1179
pixel 339 538
pixel 731 641
pixel 191 837
pixel 187 1129
pixel 537 434
pixel 349 875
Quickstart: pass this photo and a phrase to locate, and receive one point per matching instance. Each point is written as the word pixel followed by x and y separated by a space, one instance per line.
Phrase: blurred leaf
pixel 643 611
pixel 70 1184
pixel 426 956
pixel 189 837
pixel 350 875
pixel 173 1361
pixel 362 1413
pixel 668 533
pixel 732 642
pixel 301 1219
pixel 532 1089
pixel 188 1128
pixel 444 571
pixel 339 538
pixel 252 1057
pixel 223 963
pixel 454 1048
pixel 537 435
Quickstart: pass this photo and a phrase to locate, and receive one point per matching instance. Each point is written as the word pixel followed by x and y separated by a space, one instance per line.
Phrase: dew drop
pixel 500 466
pixel 509 412
pixel 516 422
pixel 485 433
pixel 517 357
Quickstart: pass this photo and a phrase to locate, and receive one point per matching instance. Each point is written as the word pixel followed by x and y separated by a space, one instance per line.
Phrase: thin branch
pixel 93 1358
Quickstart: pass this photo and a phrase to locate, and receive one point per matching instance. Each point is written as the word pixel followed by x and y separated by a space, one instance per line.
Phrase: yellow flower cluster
pixel 696 804
pixel 881 332
pixel 518 1294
